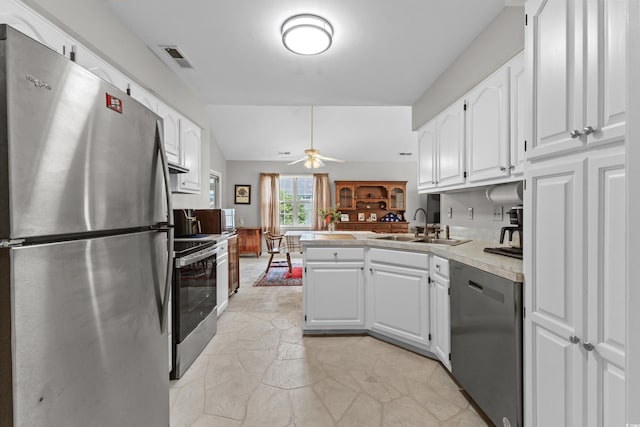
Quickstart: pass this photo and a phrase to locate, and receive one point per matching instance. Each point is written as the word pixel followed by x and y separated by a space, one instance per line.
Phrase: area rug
pixel 280 276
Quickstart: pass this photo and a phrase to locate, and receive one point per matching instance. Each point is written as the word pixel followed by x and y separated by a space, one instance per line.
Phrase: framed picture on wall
pixel 360 216
pixel 344 217
pixel 242 194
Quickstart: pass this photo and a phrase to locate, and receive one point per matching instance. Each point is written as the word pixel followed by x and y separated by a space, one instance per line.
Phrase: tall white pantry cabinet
pixel 575 318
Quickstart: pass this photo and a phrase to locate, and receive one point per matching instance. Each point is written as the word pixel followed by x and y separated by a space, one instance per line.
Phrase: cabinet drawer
pixel 335 254
pixel 224 246
pixel 441 266
pixel 408 259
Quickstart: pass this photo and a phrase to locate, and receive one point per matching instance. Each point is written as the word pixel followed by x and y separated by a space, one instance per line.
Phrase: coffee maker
pixel 515 250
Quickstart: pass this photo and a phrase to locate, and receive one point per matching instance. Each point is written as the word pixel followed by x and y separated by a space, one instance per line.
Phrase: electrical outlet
pixel 470 213
pixel 498 214
pixel 449 213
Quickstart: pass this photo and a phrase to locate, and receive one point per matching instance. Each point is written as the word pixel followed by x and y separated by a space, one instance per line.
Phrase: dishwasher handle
pixel 475 286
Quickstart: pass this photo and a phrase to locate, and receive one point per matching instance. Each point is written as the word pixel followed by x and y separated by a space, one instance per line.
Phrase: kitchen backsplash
pixel 482 226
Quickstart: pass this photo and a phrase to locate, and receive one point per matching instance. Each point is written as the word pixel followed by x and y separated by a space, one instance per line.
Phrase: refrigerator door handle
pixel 165 174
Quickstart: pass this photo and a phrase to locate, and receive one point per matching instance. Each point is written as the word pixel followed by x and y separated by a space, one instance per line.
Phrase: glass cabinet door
pixel 345 197
pixel 397 198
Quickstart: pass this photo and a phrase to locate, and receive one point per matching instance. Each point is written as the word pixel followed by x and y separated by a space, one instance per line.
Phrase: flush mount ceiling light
pixel 307 34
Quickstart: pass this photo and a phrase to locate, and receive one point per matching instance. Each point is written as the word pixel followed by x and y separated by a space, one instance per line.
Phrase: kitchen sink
pixel 399 238
pixel 432 240
pixel 450 242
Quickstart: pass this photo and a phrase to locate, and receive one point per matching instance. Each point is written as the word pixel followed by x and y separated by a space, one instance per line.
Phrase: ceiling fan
pixel 312 158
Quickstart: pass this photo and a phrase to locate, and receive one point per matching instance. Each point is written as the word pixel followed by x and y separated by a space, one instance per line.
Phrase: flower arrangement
pixel 331 215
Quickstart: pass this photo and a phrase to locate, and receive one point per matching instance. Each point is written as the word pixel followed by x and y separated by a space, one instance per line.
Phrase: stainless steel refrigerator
pixel 84 232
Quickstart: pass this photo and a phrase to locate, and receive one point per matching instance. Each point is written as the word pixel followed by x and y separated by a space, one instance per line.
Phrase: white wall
pixel 482 226
pixel 93 24
pixel 249 173
pixel 501 40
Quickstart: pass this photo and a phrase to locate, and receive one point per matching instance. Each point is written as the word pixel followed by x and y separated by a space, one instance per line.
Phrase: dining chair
pixel 276 246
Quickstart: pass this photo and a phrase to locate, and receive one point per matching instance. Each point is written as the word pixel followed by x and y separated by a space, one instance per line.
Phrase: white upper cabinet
pixel 190 145
pixel 576 45
pixel 27 22
pixel 427 156
pixel 144 97
pixel 554 52
pixel 480 139
pixel 606 71
pixel 171 133
pixel 450 146
pixel 487 128
pixel 87 59
pixel 518 107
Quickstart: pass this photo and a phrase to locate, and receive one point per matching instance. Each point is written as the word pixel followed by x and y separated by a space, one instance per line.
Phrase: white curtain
pixel 270 202
pixel 321 197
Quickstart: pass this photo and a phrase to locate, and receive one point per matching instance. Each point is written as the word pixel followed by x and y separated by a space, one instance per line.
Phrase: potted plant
pixel 330 216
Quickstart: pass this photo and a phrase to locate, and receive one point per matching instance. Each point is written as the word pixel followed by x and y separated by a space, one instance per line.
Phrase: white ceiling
pixel 384 54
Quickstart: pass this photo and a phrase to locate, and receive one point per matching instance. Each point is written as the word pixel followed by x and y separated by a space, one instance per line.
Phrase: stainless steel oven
pixel 194 302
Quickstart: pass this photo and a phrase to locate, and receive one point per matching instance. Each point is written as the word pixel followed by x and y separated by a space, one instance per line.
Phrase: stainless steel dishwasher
pixel 486 341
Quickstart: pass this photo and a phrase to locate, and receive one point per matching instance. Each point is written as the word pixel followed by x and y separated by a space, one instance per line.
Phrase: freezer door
pixel 87 348
pixel 76 154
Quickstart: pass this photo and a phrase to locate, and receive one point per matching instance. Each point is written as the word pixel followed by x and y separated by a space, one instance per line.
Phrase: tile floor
pixel 260 371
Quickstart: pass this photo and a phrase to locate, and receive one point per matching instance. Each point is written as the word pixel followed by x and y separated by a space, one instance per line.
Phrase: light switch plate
pixel 449 212
pixel 470 213
pixel 498 214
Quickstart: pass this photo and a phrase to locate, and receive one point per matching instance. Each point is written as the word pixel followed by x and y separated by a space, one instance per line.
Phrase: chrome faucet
pixel 415 215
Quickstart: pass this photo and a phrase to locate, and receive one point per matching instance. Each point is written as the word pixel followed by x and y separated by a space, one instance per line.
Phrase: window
pixel 214 190
pixel 296 201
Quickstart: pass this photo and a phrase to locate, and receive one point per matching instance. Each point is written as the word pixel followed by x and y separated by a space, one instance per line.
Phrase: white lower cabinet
pixel 334 288
pixel 403 295
pixel 439 308
pixel 222 278
pixel 334 297
pixel 398 302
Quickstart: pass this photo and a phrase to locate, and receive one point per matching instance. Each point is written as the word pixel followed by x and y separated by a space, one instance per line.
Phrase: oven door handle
pixel 183 262
pixel 167 187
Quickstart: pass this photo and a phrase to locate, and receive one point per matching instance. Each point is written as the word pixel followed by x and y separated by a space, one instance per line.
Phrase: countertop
pixel 470 253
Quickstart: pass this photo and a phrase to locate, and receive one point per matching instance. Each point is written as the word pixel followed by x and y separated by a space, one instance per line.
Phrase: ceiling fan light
pixel 307 34
pixel 313 163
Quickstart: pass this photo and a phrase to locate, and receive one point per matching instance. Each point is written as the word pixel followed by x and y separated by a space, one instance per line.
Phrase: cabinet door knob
pixel 574 339
pixel 511 167
pixel 438 266
pixel 588 130
pixel 503 168
pixel 588 346
pixel 575 133
pixel 335 254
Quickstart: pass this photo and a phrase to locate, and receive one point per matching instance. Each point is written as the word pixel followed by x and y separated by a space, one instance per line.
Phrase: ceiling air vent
pixel 177 56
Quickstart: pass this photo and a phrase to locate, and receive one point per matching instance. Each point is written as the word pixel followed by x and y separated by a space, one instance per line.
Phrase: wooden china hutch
pixel 368 202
